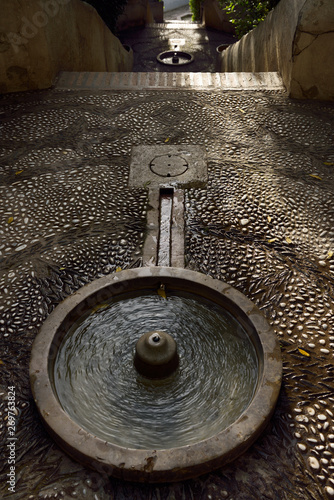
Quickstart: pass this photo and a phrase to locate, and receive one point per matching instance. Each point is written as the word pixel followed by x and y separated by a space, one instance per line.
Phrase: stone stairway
pixel 162 80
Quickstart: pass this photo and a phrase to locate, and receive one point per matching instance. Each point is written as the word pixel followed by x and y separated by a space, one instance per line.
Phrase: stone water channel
pixel 263 222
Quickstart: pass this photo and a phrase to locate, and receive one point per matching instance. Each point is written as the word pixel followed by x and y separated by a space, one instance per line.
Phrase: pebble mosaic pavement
pixel 264 224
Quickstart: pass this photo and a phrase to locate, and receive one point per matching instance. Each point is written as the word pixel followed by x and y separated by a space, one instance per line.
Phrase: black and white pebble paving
pixel 264 224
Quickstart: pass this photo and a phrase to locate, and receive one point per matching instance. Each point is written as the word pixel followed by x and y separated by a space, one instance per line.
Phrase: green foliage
pixel 195 7
pixel 246 14
pixel 109 10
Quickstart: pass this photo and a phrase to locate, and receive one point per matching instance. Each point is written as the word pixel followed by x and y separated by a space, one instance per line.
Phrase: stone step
pixel 176 24
pixel 164 80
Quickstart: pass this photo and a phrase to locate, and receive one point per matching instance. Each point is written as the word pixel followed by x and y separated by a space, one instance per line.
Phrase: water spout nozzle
pixel 156 355
pixel 175 59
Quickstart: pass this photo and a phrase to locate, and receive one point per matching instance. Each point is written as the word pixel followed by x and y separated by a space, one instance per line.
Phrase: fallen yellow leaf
pixel 99 306
pixel 118 269
pixel 62 268
pixel 304 353
pixel 328 163
pixel 10 220
pixel 288 240
pixel 269 218
pixel 1 362
pixel 330 254
pixel 315 177
pixel 19 172
pixel 162 293
pixel 272 240
pixel 166 140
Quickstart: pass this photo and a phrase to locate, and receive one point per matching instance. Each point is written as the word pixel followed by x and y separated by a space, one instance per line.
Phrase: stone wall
pixel 215 17
pixel 135 14
pixel 296 39
pixel 312 73
pixel 39 38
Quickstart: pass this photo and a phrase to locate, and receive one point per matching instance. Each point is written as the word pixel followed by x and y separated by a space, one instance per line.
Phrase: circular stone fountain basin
pixel 108 416
pixel 175 58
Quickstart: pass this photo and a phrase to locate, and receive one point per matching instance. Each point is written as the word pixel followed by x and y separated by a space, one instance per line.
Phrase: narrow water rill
pixel 165 229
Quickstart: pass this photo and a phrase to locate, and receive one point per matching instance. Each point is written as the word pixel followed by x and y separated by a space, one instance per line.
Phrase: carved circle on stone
pixel 169 165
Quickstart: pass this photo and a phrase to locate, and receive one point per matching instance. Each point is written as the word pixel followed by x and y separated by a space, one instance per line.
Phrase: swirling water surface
pixel 99 388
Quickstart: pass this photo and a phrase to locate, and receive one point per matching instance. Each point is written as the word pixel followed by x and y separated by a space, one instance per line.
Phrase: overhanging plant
pixel 195 7
pixel 246 14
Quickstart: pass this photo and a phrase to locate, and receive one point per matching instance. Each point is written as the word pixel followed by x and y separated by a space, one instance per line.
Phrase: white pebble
pixel 330 491
pixel 313 463
pixel 21 247
pixel 301 418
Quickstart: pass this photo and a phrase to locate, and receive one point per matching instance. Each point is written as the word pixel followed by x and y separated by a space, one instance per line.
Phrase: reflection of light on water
pixel 99 388
pixel 234 392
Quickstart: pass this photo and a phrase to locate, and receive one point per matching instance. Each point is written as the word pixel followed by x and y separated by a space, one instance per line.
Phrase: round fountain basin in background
pixel 161 459
pixel 175 58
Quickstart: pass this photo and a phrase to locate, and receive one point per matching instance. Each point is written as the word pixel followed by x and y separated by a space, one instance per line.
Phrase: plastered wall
pixel 39 38
pixel 296 39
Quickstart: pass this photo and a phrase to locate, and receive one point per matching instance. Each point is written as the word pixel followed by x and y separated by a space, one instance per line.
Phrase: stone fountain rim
pixel 162 465
pixel 170 53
